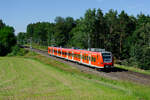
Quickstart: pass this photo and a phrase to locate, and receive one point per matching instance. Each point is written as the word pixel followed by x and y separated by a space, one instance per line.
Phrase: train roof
pixel 93 50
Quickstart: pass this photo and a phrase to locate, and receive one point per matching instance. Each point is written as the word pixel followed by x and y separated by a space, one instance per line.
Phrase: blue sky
pixel 19 13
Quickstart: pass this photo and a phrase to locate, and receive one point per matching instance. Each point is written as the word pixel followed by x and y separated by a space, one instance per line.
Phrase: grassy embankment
pixel 135 69
pixel 36 77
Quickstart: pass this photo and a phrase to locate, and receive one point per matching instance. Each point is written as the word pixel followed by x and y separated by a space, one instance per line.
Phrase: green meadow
pixel 34 77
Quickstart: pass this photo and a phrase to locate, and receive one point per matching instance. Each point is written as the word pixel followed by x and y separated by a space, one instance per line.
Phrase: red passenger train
pixel 98 59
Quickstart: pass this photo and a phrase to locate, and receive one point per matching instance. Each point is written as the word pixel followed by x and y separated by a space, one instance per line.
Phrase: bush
pixel 17 51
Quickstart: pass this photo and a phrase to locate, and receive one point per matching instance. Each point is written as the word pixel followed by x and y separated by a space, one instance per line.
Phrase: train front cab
pixel 107 59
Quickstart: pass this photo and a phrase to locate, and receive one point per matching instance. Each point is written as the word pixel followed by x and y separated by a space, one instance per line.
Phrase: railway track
pixel 115 73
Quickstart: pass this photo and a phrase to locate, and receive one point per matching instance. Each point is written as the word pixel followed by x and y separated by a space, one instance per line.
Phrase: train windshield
pixel 107 57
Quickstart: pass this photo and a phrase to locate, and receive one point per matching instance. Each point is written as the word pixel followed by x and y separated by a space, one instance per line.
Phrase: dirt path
pixel 115 73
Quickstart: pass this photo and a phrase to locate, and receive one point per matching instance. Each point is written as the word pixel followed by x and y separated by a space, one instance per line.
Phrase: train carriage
pixel 101 59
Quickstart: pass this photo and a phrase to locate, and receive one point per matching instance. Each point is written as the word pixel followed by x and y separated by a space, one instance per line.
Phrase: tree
pixel 126 27
pixel 63 27
pixel 7 40
pixel 2 24
pixel 112 32
pixel 101 34
pixel 140 50
pixel 21 38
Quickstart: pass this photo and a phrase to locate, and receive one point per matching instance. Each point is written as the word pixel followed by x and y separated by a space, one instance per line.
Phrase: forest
pixel 126 36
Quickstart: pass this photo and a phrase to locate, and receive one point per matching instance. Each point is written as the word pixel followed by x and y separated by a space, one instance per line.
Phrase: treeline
pixel 127 37
pixel 7 38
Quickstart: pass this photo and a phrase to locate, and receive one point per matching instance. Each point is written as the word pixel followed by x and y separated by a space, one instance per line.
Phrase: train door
pixel 52 51
pixel 81 57
pixel 100 60
pixel 74 57
pixel 49 50
pixel 93 59
pixel 67 54
pixel 89 59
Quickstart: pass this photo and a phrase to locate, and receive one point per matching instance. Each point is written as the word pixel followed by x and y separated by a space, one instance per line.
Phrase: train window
pixel 89 58
pixel 94 59
pixel 78 56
